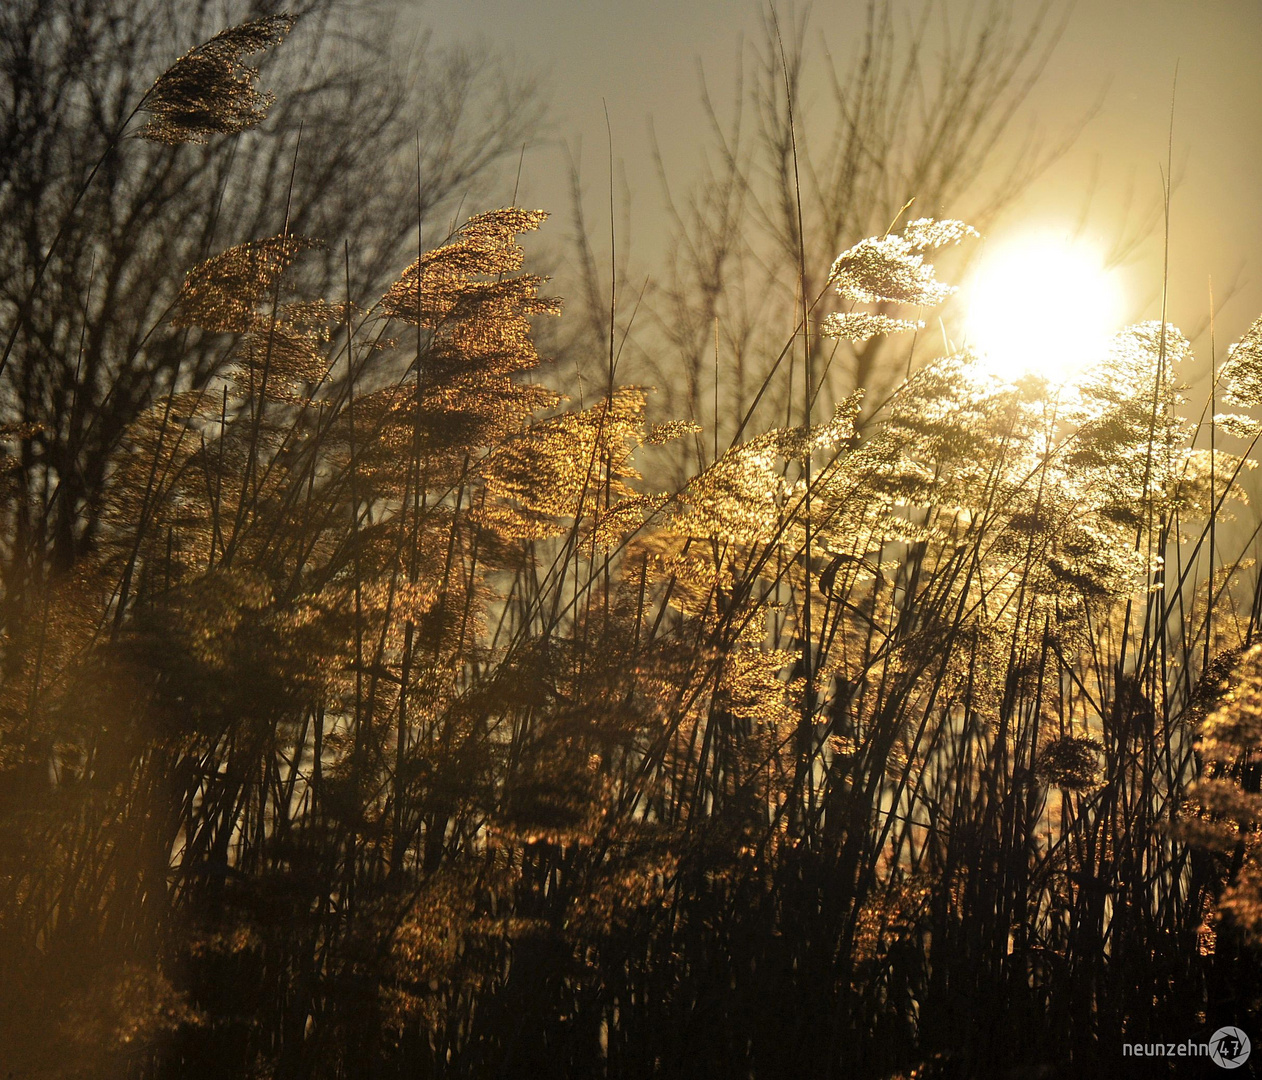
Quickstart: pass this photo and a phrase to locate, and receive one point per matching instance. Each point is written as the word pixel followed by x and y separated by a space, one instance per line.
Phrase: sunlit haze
pixel 1042 305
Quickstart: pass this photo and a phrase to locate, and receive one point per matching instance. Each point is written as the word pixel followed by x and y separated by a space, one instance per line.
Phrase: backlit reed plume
pixel 210 90
pixel 400 721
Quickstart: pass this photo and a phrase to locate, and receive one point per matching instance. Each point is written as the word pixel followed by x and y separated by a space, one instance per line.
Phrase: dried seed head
pixel 209 90
pixel 221 294
pixel 861 325
pixel 1071 762
pixel 887 269
pixel 926 233
pixel 485 246
pixel 1241 375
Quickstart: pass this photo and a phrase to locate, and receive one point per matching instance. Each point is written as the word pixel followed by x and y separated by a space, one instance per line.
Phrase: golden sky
pixel 644 58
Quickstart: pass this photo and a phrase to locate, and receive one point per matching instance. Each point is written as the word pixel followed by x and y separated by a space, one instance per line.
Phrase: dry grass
pixel 398 726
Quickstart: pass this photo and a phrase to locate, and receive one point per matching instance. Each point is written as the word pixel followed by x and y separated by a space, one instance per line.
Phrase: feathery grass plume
pixel 1241 374
pixel 1223 811
pixel 1087 561
pixel 630 887
pixel 925 233
pixel 951 434
pixel 484 246
pixel 751 689
pixel 949 430
pixel 209 90
pixel 692 576
pixel 860 326
pixel 742 496
pixel 158 442
pixel 1071 762
pixel 222 293
pixel 739 497
pixel 613 524
pixel 1234 729
pixel 568 465
pixel 887 269
pixel 467 396
pixel 123 1013
pixel 553 795
pixel 291 348
pixel 1193 497
pixel 426 971
pixel 887 918
pixel 660 434
pixel 1127 444
pixel 230 655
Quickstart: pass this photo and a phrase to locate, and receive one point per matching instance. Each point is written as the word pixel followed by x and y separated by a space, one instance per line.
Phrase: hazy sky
pixel 642 57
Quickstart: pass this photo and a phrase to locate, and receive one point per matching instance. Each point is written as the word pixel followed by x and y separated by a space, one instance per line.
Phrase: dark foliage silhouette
pixel 393 724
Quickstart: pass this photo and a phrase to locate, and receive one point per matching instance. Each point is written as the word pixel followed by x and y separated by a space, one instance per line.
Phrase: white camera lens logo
pixel 1229 1047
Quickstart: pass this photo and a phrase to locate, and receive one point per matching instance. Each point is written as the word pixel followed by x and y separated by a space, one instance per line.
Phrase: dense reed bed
pixel 395 725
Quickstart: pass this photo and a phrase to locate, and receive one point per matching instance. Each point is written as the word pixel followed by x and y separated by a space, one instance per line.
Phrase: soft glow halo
pixel 1042 305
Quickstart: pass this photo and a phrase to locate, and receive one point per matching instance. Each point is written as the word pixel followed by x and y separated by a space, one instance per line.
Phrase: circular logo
pixel 1229 1047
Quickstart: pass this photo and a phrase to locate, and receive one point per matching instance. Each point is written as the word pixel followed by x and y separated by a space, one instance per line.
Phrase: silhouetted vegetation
pixel 392 724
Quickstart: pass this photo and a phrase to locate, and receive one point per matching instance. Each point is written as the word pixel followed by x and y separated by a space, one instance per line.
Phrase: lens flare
pixel 1042 305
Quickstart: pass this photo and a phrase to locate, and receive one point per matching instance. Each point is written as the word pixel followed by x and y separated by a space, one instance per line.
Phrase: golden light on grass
pixel 1043 305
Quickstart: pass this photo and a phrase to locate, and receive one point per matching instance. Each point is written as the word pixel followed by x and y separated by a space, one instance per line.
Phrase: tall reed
pixel 398 726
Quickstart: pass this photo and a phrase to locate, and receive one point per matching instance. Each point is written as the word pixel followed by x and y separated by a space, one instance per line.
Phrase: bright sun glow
pixel 1042 305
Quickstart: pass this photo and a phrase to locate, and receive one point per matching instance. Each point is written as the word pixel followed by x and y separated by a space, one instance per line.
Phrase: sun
pixel 1042 305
